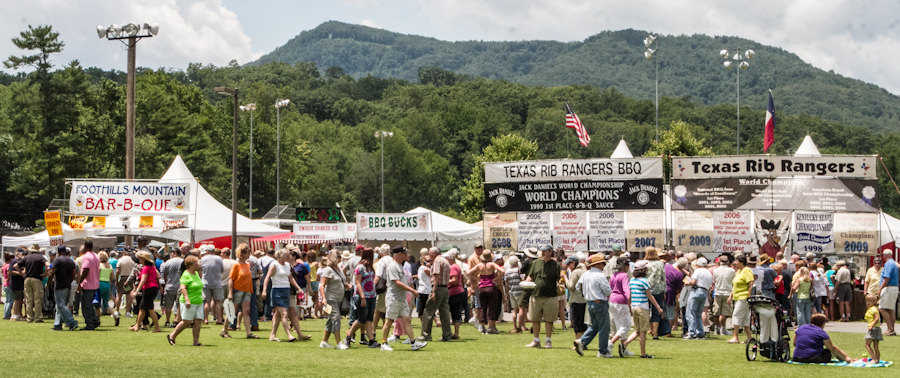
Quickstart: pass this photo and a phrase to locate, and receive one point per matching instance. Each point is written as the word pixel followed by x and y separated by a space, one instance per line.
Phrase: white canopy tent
pixel 72 239
pixel 442 230
pixel 210 219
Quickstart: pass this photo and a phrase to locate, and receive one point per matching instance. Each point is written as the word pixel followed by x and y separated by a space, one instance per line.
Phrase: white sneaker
pixel 418 345
pixel 474 322
pixel 607 355
pixel 387 348
pixel 116 314
pixel 407 341
pixel 392 339
pixel 628 353
pixel 548 344
pixel 128 314
pixel 326 345
pixel 342 346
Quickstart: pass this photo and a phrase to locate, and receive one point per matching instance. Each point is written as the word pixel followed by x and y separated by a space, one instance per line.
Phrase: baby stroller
pixel 779 350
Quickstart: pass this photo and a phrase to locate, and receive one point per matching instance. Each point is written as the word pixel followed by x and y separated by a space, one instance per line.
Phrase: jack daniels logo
pixel 574 195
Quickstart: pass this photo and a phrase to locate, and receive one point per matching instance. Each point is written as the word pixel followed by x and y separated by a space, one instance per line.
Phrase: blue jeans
pixel 254 309
pixel 696 300
pixel 91 320
pixel 804 306
pixel 351 317
pixel 63 315
pixel 599 327
pixel 8 305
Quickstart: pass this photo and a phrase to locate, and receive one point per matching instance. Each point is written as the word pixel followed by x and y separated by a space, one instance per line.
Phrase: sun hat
pixel 144 255
pixel 531 252
pixel 486 256
pixel 597 259
pixel 346 255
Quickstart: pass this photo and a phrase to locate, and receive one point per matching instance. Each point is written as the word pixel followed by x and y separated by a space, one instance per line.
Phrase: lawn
pixel 35 350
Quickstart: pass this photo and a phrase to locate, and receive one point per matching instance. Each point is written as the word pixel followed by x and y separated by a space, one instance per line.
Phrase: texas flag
pixel 769 137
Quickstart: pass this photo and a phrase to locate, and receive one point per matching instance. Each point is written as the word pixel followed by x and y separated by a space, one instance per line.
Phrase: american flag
pixel 575 123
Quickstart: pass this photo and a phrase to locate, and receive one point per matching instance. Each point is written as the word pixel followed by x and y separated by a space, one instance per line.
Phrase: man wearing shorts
pixel 722 278
pixel 397 308
pixel 843 290
pixel 544 272
pixel 890 279
pixel 213 293
pixel 123 270
pixel 171 273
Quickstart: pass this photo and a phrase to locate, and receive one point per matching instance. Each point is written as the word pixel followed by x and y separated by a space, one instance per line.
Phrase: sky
pixel 858 39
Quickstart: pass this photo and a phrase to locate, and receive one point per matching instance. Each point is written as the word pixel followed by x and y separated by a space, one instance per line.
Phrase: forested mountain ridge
pixel 689 66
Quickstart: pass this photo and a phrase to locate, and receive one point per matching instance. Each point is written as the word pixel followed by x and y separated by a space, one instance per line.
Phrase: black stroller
pixel 779 350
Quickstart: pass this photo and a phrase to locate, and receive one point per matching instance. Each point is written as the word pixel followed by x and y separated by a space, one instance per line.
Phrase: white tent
pixel 622 151
pixel 72 239
pixel 442 230
pixel 807 148
pixel 890 229
pixel 209 219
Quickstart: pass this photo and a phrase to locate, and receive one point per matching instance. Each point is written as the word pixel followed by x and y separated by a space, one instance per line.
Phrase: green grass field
pixel 35 350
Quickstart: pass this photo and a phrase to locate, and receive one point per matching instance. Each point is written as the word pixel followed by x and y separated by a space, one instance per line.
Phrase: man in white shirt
pixel 722 278
pixel 596 290
pixel 700 282
pixel 397 306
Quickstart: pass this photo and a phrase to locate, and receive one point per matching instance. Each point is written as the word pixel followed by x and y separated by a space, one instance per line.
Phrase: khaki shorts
pixel 641 318
pixel 544 309
pixel 397 309
pixel 516 301
pixel 379 304
pixel 741 315
pixel 888 298
pixel 721 307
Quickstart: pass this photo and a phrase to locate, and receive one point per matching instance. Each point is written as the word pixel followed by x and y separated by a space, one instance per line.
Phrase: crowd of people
pixel 612 297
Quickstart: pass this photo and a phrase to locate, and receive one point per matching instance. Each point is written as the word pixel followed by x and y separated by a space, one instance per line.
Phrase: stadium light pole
pixel 250 108
pixel 233 92
pixel 381 134
pixel 651 43
pixel 278 105
pixel 740 58
pixel 129 34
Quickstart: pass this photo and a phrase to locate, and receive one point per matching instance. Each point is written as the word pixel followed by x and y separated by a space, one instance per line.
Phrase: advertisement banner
pixel 570 230
pixel 692 231
pixel 76 222
pixel 98 222
pixel 733 231
pixel 171 223
pixel 860 167
pixel 128 198
pixel 855 233
pixel 607 228
pixel 645 229
pixel 324 232
pixel 813 232
pixel 574 195
pixel 393 222
pixel 798 193
pixel 574 170
pixel 781 219
pixel 534 230
pixel 501 232
pixel 146 222
pixel 53 223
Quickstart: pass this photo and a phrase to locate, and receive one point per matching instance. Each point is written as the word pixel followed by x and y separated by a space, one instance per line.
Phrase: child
pixel 641 299
pixel 873 336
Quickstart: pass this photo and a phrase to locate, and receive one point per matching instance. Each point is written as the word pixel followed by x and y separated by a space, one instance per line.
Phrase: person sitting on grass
pixel 191 301
pixel 641 298
pixel 873 336
pixel 812 344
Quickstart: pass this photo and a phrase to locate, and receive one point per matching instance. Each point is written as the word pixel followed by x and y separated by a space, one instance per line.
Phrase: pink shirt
pixel 620 289
pixel 5 272
pixel 90 261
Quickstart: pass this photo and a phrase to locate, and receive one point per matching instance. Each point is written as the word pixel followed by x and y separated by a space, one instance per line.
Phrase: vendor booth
pixel 416 229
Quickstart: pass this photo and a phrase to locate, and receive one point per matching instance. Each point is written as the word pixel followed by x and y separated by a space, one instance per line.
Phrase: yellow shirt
pixel 741 284
pixel 871 317
pixel 873 278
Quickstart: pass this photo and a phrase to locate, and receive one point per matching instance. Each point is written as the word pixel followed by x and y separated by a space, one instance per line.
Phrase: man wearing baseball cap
pixel 544 272
pixel 396 307
pixel 595 287
pixel 63 271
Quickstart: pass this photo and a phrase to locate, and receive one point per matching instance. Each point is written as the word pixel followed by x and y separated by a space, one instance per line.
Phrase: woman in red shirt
pixel 149 287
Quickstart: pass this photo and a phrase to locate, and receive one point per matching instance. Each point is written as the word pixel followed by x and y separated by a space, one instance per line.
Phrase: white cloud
pixel 370 24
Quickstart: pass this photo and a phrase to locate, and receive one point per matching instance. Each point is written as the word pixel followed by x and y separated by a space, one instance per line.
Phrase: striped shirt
pixel 513 279
pixel 639 287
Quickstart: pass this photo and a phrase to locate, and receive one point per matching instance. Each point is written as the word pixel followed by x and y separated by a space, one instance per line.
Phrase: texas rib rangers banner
pixel 783 193
pixel 128 198
pixel 845 166
pixel 573 170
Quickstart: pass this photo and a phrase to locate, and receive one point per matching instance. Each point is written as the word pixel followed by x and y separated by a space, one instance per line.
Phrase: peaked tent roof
pixel 807 148
pixel 622 151
pixel 446 228
pixel 210 219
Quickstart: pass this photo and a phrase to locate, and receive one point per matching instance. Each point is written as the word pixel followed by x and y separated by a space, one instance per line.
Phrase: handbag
pixel 345 303
pixel 381 286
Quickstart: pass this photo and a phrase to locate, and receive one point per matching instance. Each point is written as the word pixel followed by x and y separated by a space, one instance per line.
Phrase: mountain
pixel 689 67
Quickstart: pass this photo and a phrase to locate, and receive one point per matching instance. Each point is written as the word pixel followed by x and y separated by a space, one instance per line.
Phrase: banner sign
pixel 393 222
pixel 733 231
pixel 76 222
pixel 98 222
pixel 574 170
pixel 128 198
pixel 860 167
pixel 692 231
pixel 797 193
pixel 780 218
pixel 500 232
pixel 570 230
pixel 855 232
pixel 534 230
pixel 645 229
pixel 319 214
pixel 813 232
pixel 146 222
pixel 171 223
pixel 324 232
pixel 53 223
pixel 607 228
pixel 574 195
